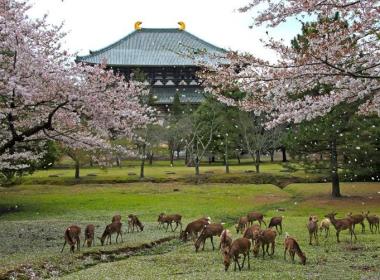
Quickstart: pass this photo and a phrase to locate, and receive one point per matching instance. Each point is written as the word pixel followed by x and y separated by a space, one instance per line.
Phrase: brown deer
pixel 209 231
pixel 252 232
pixel 240 246
pixel 276 222
pixel 256 216
pixel 72 237
pixel 357 219
pixel 312 227
pixel 292 246
pixel 193 228
pixel 169 219
pixel 116 218
pixel 373 221
pixel 242 224
pixel 110 229
pixel 133 221
pixel 341 224
pixel 225 240
pixel 264 238
pixel 89 235
pixel 325 226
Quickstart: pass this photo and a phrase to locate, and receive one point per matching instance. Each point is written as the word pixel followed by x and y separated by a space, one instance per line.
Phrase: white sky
pixel 94 24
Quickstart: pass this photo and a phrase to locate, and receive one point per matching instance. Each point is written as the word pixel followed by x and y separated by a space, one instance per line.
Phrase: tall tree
pixel 343 51
pixel 44 95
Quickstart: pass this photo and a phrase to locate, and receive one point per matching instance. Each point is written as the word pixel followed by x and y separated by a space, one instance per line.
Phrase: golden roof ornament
pixel 138 25
pixel 182 25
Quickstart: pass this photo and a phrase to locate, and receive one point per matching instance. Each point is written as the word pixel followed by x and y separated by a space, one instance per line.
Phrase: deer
pixel 252 232
pixel 265 238
pixel 312 227
pixel 255 216
pixel 225 240
pixel 276 222
pixel 341 224
pixel 192 229
pixel 133 221
pixel 373 221
pixel 325 226
pixel 357 219
pixel 72 237
pixel 169 219
pixel 110 229
pixel 242 224
pixel 116 218
pixel 292 246
pixel 89 235
pixel 240 246
pixel 209 231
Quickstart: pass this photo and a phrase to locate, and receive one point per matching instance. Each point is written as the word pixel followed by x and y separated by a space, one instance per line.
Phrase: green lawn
pixel 43 212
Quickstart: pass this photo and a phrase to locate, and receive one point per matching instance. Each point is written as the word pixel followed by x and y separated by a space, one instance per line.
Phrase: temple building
pixel 159 53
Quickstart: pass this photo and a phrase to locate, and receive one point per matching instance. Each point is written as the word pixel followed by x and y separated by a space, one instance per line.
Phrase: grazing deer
pixel 72 237
pixel 373 221
pixel 225 240
pixel 265 238
pixel 357 219
pixel 209 231
pixel 312 227
pixel 341 224
pixel 242 224
pixel 193 228
pixel 256 216
pixel 325 226
pixel 169 219
pixel 89 235
pixel 276 222
pixel 133 221
pixel 110 229
pixel 240 246
pixel 292 246
pixel 116 218
pixel 252 232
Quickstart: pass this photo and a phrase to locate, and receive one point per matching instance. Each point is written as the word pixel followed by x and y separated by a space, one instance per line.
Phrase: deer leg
pixel 242 265
pixel 353 232
pixel 237 260
pixel 316 237
pixel 292 254
pixel 64 244
pixel 235 264
pixel 281 229
pixel 264 222
pixel 249 265
pixel 212 243
pixel 78 243
pixel 84 242
pixel 263 247
pixel 204 243
pixel 363 227
pixel 273 244
pixel 176 226
pixel 337 236
pixel 310 235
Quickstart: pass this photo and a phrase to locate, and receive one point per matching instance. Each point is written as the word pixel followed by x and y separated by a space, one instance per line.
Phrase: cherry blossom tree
pixel 44 95
pixel 341 48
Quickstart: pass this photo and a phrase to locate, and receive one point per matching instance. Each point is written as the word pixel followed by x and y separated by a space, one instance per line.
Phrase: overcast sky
pixel 94 24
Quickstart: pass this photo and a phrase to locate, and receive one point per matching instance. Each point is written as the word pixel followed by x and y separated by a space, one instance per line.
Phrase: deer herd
pixel 254 237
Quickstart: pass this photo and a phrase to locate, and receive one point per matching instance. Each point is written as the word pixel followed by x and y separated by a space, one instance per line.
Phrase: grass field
pixel 31 234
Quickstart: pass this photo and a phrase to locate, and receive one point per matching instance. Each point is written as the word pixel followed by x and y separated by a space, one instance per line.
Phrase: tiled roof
pixel 165 95
pixel 152 47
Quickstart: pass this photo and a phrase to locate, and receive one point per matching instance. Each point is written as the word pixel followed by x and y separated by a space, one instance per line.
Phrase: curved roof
pixel 152 47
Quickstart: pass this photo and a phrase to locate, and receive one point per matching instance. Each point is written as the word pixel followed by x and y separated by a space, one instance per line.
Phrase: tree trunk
pixel 271 152
pixel 227 164
pixel 238 159
pixel 171 157
pixel 178 154
pixel 151 158
pixel 334 170
pixel 186 156
pixel 118 162
pixel 283 150
pixel 77 169
pixel 197 166
pixel 142 162
pixel 257 163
